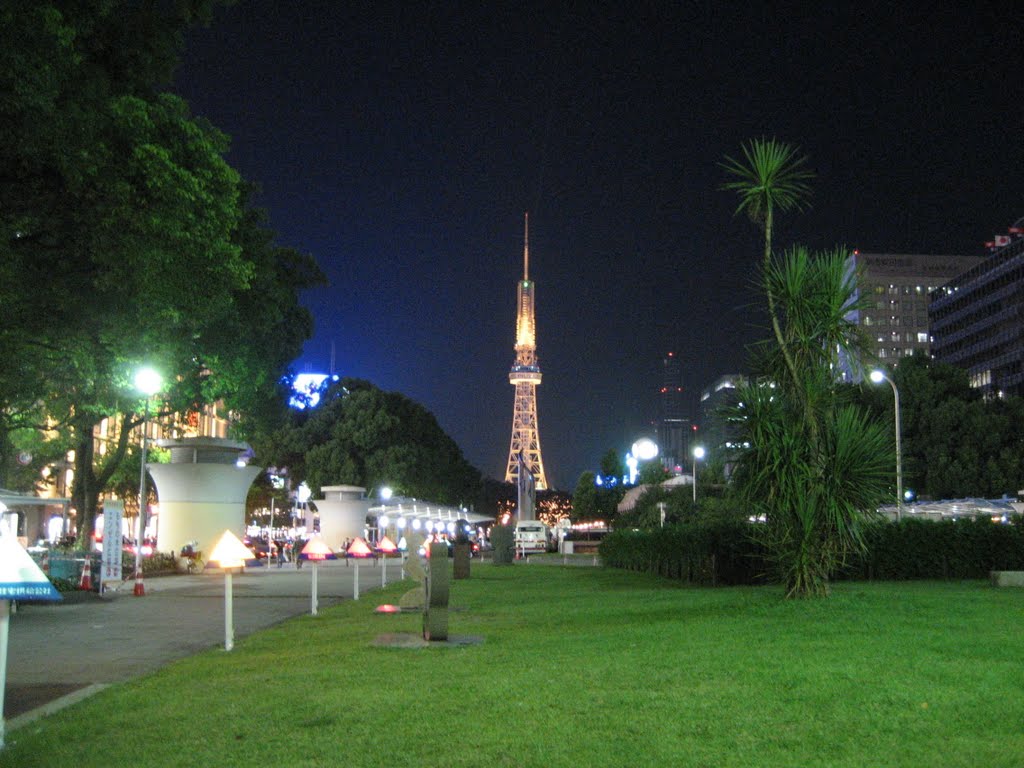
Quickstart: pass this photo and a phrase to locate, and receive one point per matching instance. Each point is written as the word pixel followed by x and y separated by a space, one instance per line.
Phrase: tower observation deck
pixel 525 375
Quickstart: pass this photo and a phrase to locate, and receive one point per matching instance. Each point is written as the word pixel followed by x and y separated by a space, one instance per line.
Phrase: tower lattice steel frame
pixel 525 376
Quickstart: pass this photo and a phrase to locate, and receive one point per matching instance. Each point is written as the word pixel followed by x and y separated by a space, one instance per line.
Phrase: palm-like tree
pixel 771 176
pixel 815 467
pixel 815 498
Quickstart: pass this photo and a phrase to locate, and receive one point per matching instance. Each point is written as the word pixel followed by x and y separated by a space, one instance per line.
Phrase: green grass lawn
pixel 585 667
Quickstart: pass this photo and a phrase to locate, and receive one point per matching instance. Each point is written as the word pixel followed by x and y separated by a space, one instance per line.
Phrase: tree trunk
pixel 88 484
pixel 6 456
pixel 84 492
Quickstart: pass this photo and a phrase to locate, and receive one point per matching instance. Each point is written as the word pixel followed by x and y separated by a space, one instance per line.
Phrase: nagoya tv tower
pixel 525 376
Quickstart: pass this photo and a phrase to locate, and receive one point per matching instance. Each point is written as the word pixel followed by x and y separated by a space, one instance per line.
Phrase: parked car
pixel 259 547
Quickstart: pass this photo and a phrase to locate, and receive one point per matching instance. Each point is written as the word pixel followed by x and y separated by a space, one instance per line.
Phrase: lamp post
pixel 698 454
pixel 877 376
pixel 316 550
pixel 385 493
pixel 270 532
pixel 230 555
pixel 148 382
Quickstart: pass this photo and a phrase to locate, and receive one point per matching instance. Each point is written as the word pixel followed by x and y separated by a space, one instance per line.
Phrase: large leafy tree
pixel 363 436
pixel 584 498
pixel 591 501
pixel 121 204
pixel 955 443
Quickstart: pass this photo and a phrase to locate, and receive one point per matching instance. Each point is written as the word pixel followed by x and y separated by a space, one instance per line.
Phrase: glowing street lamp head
pixel 698 452
pixel 148 381
pixel 645 449
pixel 877 376
pixel 386 493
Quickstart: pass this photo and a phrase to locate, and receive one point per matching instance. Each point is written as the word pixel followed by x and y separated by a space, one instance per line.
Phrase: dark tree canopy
pixel 363 436
pixel 955 444
pixel 121 205
pixel 593 502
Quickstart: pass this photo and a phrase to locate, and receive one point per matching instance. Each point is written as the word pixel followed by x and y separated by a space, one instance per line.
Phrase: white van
pixel 531 537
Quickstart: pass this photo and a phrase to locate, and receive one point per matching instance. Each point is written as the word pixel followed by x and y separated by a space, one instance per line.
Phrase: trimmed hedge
pixel 946 549
pixel 727 553
pixel 697 553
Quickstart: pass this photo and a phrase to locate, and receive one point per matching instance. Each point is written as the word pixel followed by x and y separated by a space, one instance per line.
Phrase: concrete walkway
pixel 59 653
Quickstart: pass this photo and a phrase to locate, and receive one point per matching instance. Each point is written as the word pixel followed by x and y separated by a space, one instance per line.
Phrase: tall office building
pixel 717 435
pixel 898 288
pixel 978 318
pixel 674 427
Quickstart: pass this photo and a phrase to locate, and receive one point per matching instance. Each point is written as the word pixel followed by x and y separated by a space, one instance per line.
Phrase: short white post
pixel 229 623
pixel 355 589
pixel 314 589
pixel 5 611
pixel 383 571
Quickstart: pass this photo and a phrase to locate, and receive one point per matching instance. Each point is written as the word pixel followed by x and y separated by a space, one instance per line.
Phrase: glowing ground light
pixel 359 548
pixel 316 550
pixel 229 553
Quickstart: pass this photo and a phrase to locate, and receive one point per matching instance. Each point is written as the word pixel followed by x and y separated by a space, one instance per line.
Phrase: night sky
pixel 401 144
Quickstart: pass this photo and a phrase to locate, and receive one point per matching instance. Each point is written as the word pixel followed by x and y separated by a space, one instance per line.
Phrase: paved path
pixel 59 653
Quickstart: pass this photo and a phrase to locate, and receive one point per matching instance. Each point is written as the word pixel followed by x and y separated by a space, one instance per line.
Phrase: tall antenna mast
pixel 526 246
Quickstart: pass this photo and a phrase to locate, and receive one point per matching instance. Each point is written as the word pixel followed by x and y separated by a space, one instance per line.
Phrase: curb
pixel 55 706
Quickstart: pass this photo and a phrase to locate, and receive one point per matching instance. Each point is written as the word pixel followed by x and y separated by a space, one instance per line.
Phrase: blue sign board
pixel 20 577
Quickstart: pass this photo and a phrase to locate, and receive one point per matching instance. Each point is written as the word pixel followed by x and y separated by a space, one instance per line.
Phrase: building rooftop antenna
pixel 526 247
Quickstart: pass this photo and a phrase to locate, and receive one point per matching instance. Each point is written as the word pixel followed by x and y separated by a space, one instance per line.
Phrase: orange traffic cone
pixel 140 588
pixel 86 582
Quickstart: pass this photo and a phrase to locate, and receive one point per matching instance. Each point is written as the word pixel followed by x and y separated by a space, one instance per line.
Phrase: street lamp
pixel 148 382
pixel 877 376
pixel 698 454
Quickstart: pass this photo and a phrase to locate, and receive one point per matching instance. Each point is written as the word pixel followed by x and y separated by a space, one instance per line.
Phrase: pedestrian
pixel 280 554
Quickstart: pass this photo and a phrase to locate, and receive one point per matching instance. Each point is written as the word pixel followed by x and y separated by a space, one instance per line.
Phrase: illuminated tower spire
pixel 525 376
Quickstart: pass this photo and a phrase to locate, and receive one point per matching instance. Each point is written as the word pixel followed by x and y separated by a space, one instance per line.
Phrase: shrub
pixel 945 549
pixel 64 585
pixel 727 552
pixel 152 565
pixel 711 553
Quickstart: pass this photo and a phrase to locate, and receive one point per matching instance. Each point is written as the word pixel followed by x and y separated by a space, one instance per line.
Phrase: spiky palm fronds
pixel 771 175
pixel 814 495
pixel 815 468
pixel 817 297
